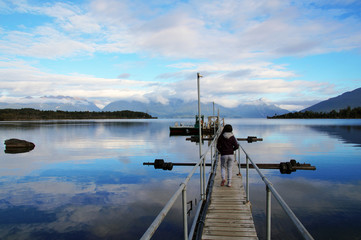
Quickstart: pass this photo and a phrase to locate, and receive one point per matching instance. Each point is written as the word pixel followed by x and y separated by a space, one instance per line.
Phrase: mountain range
pixel 348 99
pixel 62 103
pixel 177 108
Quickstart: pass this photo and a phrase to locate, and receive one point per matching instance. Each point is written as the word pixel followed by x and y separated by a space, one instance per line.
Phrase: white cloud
pixel 234 43
pixel 215 30
pixel 44 42
pixel 20 80
pixel 225 84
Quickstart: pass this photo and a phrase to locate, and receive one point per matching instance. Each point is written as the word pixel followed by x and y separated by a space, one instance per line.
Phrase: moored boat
pixel 208 128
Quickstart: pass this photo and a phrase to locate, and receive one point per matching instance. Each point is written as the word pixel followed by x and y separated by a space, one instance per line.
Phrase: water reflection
pixel 85 179
pixel 348 134
pixel 17 150
pixel 328 210
pixel 66 211
pixel 328 200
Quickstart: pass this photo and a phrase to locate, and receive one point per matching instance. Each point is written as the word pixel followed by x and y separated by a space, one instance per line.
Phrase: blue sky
pixel 290 53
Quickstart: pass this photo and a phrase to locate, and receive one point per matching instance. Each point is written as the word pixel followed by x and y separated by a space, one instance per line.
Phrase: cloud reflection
pixel 82 141
pixel 99 211
pixel 320 205
pixel 86 179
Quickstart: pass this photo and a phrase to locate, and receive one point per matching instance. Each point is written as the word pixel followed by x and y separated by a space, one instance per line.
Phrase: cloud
pixel 213 30
pixel 226 84
pixel 124 75
pixel 230 42
pixel 19 78
pixel 183 65
pixel 230 84
pixel 44 42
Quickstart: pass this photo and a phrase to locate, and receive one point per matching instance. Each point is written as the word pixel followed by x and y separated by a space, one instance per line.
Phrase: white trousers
pixel 227 164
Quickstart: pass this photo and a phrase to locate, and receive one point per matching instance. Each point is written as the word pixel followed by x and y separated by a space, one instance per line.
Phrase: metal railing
pixel 271 190
pixel 182 190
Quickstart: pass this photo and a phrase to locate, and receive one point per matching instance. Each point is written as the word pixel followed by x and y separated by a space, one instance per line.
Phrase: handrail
pixel 271 189
pixel 182 189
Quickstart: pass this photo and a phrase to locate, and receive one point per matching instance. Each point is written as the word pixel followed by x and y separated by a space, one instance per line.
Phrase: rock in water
pixel 14 145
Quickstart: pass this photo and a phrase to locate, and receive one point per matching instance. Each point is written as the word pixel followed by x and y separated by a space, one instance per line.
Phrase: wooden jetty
pixel 224 212
pixel 229 215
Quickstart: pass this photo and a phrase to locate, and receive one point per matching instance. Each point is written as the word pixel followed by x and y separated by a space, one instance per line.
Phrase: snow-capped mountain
pixel 177 108
pixel 63 103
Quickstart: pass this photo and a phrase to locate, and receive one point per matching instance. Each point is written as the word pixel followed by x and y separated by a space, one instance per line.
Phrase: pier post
pixel 268 213
pixel 202 168
pixel 212 158
pixel 185 221
pixel 247 179
pixel 204 178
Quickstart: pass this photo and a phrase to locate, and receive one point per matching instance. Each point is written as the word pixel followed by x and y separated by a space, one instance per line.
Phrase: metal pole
pixel 211 158
pixel 158 220
pixel 204 178
pixel 283 204
pixel 214 134
pixel 268 213
pixel 201 179
pixel 163 213
pixel 214 122
pixel 200 136
pixel 288 211
pixel 185 222
pixel 199 115
pixel 239 161
pixel 247 179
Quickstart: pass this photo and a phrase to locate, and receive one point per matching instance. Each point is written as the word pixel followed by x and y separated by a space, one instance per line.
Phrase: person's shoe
pixel 229 185
pixel 222 183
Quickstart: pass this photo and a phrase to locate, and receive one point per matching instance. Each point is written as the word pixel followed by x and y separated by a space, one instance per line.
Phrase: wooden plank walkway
pixel 228 215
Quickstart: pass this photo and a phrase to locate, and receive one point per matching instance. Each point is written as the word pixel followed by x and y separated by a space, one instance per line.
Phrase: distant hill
pixel 53 103
pixel 348 99
pixel 34 114
pixel 346 113
pixel 177 108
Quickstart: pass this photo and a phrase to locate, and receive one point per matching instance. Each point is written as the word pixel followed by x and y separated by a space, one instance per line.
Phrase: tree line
pixel 34 114
pixel 341 114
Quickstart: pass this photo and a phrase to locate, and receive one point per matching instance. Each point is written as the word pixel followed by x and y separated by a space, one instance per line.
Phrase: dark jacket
pixel 227 143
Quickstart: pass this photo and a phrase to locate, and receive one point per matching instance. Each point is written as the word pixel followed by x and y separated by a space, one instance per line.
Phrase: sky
pixel 289 53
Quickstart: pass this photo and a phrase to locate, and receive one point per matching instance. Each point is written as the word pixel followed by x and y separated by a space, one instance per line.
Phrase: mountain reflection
pixel 348 134
pixel 86 180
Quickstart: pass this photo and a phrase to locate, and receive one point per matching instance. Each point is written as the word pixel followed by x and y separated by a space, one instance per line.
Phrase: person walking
pixel 226 145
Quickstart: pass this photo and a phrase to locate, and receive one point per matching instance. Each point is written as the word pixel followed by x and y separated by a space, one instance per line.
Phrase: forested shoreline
pixel 34 114
pixel 346 113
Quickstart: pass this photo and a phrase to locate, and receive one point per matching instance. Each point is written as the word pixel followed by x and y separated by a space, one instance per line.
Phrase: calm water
pixel 86 179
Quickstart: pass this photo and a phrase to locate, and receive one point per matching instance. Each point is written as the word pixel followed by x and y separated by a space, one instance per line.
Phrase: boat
pixel 208 128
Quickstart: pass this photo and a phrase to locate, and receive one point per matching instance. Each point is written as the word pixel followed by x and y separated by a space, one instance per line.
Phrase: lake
pixel 86 179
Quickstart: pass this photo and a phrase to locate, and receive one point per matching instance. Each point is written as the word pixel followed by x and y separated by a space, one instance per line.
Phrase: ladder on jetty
pixel 229 214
